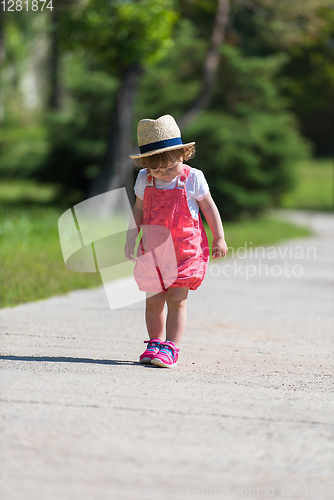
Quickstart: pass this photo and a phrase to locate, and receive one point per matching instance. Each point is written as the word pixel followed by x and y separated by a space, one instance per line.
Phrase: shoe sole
pixel 145 360
pixel 158 362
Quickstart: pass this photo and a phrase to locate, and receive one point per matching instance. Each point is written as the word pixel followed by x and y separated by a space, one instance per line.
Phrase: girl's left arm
pixel 212 216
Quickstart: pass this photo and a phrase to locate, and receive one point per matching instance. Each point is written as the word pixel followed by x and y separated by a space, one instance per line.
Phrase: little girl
pixel 169 194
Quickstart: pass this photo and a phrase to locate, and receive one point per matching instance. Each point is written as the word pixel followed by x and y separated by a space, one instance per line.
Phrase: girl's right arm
pixel 132 234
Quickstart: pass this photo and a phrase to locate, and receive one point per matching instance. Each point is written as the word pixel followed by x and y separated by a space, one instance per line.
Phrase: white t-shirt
pixel 196 187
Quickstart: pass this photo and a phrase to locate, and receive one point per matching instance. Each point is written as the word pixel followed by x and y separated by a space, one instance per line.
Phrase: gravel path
pixel 248 412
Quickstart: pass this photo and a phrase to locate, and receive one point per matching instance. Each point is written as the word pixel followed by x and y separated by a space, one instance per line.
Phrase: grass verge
pixel 32 265
pixel 314 188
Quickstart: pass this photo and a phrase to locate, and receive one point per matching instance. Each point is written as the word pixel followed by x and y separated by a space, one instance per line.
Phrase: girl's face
pixel 168 173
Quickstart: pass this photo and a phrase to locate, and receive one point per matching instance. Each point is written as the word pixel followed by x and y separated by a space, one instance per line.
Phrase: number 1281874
pixel 34 5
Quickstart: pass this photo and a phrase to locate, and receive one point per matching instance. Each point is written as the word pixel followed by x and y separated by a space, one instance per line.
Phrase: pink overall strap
pixel 149 183
pixel 181 184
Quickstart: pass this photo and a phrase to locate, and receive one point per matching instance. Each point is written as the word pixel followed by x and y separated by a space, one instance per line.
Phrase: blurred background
pixel 251 81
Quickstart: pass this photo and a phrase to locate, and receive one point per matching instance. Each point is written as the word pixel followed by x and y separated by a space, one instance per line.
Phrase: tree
pixel 124 37
pixel 211 63
pixel 172 51
pixel 2 58
pixel 246 140
pixel 283 24
pixel 309 86
pixel 304 30
pixel 57 17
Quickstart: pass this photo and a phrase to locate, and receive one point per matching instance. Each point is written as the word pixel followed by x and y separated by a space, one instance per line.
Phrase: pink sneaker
pixel 167 355
pixel 151 350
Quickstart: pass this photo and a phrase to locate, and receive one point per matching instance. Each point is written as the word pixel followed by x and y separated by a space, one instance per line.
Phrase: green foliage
pixel 268 25
pixel 172 84
pixel 310 89
pixel 77 137
pixel 249 84
pixel 105 37
pixel 26 192
pixel 123 33
pixel 22 151
pixel 69 147
pixel 246 141
pixel 304 30
pixel 247 162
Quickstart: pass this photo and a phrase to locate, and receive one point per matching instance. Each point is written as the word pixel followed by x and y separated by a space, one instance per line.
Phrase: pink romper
pixel 183 257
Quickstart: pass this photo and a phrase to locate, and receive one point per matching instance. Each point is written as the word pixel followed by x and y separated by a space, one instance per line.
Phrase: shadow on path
pixel 62 359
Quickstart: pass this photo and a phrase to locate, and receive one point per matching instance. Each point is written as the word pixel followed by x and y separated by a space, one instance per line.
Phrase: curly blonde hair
pixel 162 160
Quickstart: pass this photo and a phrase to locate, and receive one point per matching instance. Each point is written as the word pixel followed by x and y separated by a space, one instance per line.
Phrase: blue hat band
pixel 160 145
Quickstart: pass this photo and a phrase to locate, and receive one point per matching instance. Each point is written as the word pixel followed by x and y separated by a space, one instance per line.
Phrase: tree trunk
pixel 117 166
pixel 211 63
pixel 62 9
pixel 2 59
pixel 55 91
pixel 2 36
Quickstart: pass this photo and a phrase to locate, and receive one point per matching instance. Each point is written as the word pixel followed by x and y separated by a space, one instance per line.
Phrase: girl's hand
pixel 219 248
pixel 129 249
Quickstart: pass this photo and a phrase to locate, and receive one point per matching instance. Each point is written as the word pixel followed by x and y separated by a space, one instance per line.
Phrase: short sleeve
pixel 201 187
pixel 140 184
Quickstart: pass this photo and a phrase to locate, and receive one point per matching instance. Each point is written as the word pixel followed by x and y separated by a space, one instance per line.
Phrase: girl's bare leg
pixel 155 315
pixel 177 313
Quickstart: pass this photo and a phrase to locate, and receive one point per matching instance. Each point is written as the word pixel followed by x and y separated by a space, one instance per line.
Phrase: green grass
pixel 262 231
pixel 314 189
pixel 27 191
pixel 32 265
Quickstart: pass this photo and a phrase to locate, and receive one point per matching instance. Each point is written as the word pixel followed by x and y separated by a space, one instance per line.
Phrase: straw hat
pixel 157 136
